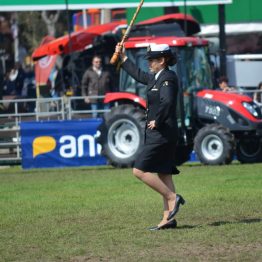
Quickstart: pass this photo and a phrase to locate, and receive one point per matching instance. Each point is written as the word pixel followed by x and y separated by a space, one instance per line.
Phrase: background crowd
pixel 96 80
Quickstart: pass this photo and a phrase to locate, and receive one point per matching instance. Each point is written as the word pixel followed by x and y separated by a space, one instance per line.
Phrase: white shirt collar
pixel 158 73
pixel 98 71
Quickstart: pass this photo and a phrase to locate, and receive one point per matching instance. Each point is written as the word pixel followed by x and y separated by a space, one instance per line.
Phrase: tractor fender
pixel 125 96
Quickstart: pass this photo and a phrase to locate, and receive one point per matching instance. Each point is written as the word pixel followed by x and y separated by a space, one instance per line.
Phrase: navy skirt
pixel 157 158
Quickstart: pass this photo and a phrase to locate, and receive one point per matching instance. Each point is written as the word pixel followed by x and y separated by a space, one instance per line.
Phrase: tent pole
pixel 222 39
pixel 71 84
pixel 84 16
pixel 185 20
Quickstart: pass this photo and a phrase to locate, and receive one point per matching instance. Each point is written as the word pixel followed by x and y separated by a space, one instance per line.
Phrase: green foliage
pixel 31 29
pixel 102 214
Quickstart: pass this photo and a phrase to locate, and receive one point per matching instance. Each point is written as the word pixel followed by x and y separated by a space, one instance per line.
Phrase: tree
pixel 31 30
pixel 33 26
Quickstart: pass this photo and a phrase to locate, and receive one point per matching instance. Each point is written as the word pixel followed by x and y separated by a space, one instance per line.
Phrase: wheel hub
pixel 212 147
pixel 123 138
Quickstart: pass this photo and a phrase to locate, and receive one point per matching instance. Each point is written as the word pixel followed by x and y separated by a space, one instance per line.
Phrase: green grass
pixel 102 214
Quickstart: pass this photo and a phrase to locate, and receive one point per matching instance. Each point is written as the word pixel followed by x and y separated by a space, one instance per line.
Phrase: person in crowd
pixel 9 85
pixel 158 152
pixel 29 82
pixel 258 95
pixel 96 81
pixel 14 81
pixel 223 84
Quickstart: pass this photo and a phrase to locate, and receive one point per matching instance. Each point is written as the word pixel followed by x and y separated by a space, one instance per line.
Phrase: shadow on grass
pixel 221 223
pixel 188 226
pixel 199 164
pixel 63 169
pixel 243 221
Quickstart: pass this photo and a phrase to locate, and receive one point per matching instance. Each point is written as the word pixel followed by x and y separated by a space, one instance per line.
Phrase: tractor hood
pixel 233 101
pixel 227 98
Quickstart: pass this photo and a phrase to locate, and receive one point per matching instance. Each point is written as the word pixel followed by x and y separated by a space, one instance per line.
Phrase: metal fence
pixel 13 112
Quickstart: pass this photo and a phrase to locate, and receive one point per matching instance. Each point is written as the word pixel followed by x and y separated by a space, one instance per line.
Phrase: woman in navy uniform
pixel 158 153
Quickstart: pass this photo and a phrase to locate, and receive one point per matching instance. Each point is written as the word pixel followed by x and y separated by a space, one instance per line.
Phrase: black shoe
pixel 154 228
pixel 168 225
pixel 179 200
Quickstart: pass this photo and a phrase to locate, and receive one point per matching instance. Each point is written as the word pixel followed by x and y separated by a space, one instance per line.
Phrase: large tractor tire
pixel 122 134
pixel 214 145
pixel 249 150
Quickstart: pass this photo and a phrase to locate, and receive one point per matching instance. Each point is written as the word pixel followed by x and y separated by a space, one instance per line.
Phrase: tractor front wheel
pixel 214 145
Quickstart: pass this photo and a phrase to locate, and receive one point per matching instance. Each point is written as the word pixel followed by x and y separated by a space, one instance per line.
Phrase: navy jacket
pixel 161 103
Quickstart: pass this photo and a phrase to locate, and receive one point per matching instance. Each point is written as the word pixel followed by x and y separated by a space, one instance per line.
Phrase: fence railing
pixel 13 112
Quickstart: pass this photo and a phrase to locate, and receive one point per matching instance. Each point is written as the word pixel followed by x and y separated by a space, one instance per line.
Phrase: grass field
pixel 102 214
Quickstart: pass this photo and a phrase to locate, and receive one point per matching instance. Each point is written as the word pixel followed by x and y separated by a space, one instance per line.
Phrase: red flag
pixel 44 66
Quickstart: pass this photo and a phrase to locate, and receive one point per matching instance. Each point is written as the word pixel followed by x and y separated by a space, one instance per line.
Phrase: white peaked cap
pixel 160 50
pixel 159 47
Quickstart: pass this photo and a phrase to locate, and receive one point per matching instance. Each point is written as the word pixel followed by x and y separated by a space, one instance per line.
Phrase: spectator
pixel 258 95
pixel 223 84
pixel 14 81
pixel 29 82
pixel 96 82
pixel 29 88
pixel 9 85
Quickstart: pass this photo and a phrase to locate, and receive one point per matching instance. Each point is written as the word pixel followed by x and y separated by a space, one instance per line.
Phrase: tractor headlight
pixel 251 108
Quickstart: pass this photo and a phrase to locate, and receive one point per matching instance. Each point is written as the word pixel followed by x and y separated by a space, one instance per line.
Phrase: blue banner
pixel 60 144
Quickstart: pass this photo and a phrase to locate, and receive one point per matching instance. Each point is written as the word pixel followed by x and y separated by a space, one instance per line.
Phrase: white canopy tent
pixel 213 30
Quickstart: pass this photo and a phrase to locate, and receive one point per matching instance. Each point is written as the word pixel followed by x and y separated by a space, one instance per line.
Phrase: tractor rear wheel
pixel 249 150
pixel 214 145
pixel 122 134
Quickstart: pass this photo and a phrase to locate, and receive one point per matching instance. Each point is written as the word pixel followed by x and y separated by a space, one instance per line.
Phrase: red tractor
pixel 216 125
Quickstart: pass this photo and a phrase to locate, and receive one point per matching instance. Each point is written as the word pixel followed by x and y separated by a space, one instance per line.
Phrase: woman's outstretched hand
pixel 121 51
